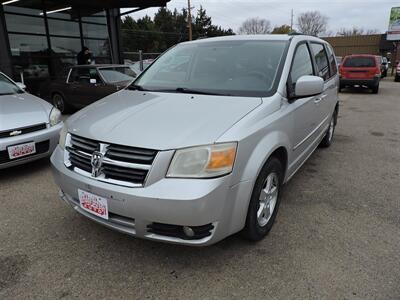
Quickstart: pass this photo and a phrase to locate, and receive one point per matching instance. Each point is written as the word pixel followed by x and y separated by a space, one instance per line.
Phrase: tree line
pixel 168 28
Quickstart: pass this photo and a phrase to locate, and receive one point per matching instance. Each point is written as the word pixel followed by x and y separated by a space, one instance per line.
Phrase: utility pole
pixel 291 21
pixel 190 20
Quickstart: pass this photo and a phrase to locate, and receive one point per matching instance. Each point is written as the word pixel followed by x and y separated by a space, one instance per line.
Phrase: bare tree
pixel 312 23
pixel 356 31
pixel 255 26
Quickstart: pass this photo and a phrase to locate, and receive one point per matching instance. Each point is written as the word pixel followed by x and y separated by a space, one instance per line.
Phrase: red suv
pixel 362 70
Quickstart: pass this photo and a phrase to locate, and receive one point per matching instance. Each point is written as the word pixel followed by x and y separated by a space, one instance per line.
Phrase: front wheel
pixel 264 202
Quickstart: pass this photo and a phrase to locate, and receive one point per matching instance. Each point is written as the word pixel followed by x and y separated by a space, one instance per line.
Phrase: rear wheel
pixel 264 202
pixel 328 138
pixel 59 102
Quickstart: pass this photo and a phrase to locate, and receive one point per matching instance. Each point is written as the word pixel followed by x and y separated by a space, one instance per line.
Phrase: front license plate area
pixel 21 150
pixel 93 204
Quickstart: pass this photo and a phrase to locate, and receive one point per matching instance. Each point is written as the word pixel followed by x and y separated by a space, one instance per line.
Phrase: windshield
pixel 237 68
pixel 359 62
pixel 136 65
pixel 7 87
pixel 117 74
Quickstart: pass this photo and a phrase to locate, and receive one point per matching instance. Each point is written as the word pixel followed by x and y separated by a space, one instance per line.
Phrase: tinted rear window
pixel 359 62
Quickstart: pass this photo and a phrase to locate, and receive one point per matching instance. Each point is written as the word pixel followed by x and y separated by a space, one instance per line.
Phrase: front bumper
pixel 365 82
pixel 50 135
pixel 184 202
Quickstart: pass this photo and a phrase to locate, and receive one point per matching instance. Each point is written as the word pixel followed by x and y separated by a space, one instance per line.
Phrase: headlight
pixel 55 116
pixel 204 161
pixel 63 136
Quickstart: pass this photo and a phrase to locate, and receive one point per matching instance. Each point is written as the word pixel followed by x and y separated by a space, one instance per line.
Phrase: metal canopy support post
pixel 5 52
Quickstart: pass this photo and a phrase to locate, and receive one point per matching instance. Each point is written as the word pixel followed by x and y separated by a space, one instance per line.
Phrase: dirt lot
pixel 337 233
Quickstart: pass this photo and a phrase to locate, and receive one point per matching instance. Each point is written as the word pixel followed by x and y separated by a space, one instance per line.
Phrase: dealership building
pixel 40 39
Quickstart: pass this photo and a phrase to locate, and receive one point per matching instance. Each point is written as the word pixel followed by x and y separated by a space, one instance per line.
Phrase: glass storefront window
pixel 21 44
pixel 22 10
pixel 31 67
pixel 94 31
pixel 31 57
pixel 98 17
pixel 60 27
pixel 61 65
pixel 25 24
pixel 65 46
pixel 98 47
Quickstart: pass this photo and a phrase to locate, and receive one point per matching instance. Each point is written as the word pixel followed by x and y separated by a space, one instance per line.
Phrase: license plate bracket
pixel 93 204
pixel 21 150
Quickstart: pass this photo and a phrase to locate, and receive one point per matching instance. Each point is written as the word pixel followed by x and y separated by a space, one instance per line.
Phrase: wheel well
pixel 336 112
pixel 281 154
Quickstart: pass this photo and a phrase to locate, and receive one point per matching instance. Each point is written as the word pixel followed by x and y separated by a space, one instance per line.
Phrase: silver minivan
pixel 198 147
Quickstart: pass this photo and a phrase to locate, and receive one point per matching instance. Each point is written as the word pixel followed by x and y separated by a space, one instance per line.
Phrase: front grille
pixel 177 231
pixel 123 165
pixel 124 174
pixel 23 130
pixel 41 148
pixel 131 154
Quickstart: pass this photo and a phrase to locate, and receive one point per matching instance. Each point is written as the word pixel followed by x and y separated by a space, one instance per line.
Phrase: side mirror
pixel 21 85
pixel 93 81
pixel 309 86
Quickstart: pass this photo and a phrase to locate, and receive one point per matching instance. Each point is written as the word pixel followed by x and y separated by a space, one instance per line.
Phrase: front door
pixel 305 111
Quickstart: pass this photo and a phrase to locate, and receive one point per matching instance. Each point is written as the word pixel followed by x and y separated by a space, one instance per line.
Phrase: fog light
pixel 188 231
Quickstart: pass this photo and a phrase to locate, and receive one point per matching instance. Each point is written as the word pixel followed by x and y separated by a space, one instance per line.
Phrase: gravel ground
pixel 337 234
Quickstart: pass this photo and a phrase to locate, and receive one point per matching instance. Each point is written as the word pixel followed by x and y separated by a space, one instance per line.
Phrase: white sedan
pixel 29 126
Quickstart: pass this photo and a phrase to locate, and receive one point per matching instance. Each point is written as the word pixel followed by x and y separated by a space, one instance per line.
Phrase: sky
pixel 367 14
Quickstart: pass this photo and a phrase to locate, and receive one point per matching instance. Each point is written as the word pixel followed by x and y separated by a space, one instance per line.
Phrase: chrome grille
pixel 121 165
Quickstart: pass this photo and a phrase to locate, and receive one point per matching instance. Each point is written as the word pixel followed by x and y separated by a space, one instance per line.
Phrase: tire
pixel 340 88
pixel 59 102
pixel 375 89
pixel 258 223
pixel 328 138
pixel 397 78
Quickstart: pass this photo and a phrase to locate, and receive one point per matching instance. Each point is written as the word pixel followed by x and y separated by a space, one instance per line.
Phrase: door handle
pixel 320 98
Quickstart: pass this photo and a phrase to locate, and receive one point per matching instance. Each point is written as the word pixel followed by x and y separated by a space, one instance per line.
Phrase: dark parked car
pixel 88 83
pixel 397 74
pixel 360 70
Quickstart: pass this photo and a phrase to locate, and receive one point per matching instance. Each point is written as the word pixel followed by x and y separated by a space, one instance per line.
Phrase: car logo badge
pixel 96 162
pixel 15 132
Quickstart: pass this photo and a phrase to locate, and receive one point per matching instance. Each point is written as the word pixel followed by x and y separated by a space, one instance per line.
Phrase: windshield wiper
pixel 136 87
pixel 193 91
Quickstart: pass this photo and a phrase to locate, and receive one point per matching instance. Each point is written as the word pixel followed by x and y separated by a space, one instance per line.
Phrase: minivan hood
pixel 21 110
pixel 160 121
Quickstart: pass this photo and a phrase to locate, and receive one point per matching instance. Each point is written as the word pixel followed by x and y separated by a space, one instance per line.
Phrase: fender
pixel 249 172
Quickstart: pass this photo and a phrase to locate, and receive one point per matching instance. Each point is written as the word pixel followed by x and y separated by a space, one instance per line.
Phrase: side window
pixel 79 75
pixel 332 62
pixel 302 65
pixel 93 74
pixel 73 76
pixel 321 60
